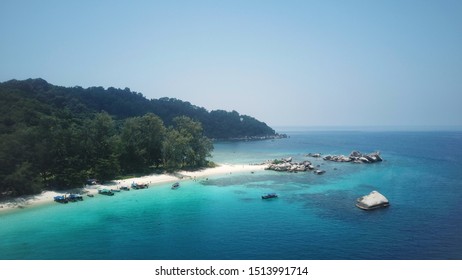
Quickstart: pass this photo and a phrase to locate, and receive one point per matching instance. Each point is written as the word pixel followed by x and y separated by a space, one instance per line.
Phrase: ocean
pixel 223 217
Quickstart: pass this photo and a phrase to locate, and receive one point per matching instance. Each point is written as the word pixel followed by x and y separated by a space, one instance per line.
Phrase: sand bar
pixel 155 179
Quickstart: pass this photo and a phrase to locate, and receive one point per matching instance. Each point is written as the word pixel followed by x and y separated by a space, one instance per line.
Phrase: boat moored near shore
pixel 74 197
pixel 68 198
pixel 60 199
pixel 106 192
pixel 137 186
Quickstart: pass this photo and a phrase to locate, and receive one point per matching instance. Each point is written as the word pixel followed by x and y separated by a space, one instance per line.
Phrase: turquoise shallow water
pixel 225 218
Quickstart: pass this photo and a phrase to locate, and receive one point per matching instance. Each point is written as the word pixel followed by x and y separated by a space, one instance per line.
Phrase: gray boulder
pixel 372 201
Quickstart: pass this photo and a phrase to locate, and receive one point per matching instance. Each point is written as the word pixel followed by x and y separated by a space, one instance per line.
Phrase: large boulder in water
pixel 371 201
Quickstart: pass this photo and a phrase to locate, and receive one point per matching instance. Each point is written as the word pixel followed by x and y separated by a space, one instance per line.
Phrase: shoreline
pixel 46 197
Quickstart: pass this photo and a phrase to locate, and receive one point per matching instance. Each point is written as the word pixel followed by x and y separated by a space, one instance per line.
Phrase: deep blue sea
pixel 224 217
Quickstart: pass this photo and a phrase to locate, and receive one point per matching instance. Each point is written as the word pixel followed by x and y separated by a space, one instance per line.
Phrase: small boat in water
pixel 74 197
pixel 106 192
pixel 139 186
pixel 66 198
pixel 175 186
pixel 269 195
pixel 60 199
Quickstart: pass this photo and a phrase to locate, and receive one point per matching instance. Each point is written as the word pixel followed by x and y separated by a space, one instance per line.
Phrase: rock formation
pixel 287 165
pixel 371 201
pixel 356 157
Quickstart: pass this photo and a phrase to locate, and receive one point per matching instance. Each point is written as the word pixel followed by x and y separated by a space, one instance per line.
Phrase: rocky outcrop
pixel 287 165
pixel 356 157
pixel 371 201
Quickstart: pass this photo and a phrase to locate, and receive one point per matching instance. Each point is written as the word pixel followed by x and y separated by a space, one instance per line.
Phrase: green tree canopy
pixel 141 140
pixel 201 146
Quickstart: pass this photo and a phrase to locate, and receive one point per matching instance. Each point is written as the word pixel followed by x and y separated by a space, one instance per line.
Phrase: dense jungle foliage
pixel 54 137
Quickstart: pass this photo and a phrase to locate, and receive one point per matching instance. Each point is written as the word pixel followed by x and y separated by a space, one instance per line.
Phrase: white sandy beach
pixel 155 179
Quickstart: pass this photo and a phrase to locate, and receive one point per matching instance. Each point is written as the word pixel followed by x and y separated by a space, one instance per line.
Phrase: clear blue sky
pixel 298 63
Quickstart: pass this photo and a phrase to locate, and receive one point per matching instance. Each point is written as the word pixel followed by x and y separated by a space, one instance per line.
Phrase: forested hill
pixel 57 137
pixel 123 103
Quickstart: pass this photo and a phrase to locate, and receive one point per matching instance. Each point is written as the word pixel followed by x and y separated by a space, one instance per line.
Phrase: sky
pixel 287 63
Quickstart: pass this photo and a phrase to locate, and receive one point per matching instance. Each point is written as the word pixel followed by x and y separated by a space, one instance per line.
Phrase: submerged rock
pixel 315 155
pixel 371 201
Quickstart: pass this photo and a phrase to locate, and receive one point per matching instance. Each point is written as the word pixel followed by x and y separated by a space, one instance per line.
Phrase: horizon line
pixel 378 128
